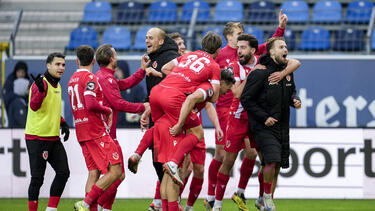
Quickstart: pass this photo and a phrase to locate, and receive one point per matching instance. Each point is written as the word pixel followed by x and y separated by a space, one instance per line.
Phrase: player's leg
pixel 259 200
pixel 38 154
pixel 198 156
pixel 172 191
pixel 274 182
pixel 187 168
pixel 59 162
pixel 145 143
pixel 163 191
pixel 156 202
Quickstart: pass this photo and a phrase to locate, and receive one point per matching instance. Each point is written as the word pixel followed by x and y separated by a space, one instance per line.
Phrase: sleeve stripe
pixel 204 93
pixel 215 82
pixel 89 93
pixel 175 62
pixel 237 79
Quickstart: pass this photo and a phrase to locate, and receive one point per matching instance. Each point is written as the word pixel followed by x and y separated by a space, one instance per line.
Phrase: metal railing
pixel 13 35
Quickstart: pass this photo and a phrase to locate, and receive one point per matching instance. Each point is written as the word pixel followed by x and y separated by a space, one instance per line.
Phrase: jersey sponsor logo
pixel 228 144
pixel 45 155
pixel 115 156
pixel 90 86
pixel 210 92
pixel 154 65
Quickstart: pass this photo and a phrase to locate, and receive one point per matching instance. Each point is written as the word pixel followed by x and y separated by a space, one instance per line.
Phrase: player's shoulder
pixel 259 73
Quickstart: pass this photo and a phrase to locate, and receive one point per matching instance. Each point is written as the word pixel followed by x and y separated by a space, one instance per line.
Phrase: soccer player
pixel 106 57
pixel 93 121
pixel 180 43
pixel 267 105
pixel 42 133
pixel 227 55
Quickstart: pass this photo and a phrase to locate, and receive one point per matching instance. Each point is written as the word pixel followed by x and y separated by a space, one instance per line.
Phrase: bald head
pixel 154 39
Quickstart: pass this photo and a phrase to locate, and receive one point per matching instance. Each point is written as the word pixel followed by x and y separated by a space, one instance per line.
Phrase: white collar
pixel 80 70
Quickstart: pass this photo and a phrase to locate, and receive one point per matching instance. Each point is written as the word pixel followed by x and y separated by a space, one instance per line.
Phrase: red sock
pixel 261 184
pixel 267 187
pixel 164 204
pixel 53 201
pixel 94 205
pixel 157 191
pixel 93 195
pixel 146 142
pixel 185 146
pixel 108 194
pixel 183 186
pixel 108 204
pixel 195 190
pixel 212 175
pixel 245 172
pixel 172 206
pixel 33 205
pixel 221 185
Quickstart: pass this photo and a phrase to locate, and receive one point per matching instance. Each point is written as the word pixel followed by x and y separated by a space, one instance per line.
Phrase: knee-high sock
pixel 53 201
pixel 195 189
pixel 245 172
pixel 146 142
pixel 261 184
pixel 212 175
pixel 157 190
pixel 33 205
pixel 185 146
pixel 164 204
pixel 173 206
pixel 93 195
pixel 221 185
pixel 111 199
pixel 108 194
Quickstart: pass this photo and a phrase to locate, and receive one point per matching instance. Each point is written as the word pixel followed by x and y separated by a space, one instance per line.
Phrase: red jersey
pixel 207 90
pixel 240 73
pixel 191 70
pixel 89 124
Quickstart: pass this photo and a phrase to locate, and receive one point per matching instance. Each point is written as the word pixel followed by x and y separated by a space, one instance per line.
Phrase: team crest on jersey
pixel 228 144
pixel 91 77
pixel 90 86
pixel 174 143
pixel 110 80
pixel 115 156
pixel 228 60
pixel 288 77
pixel 45 155
pixel 154 65
pixel 102 144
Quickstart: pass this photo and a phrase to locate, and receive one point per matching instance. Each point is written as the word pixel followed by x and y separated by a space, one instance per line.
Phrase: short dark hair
pixel 271 41
pixel 251 39
pixel 229 28
pixel 51 56
pixel 227 75
pixel 211 42
pixel 175 35
pixel 104 54
pixel 85 54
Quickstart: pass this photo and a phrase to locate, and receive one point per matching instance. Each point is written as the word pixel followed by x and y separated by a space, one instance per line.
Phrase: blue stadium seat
pixel 297 11
pixel 359 12
pixel 315 38
pixel 119 37
pixel 203 11
pixel 256 32
pixel 289 36
pixel 97 12
pixel 184 33
pixel 83 36
pixel 327 12
pixel 373 40
pixel 130 11
pixel 216 29
pixel 163 12
pixel 261 12
pixel 228 11
pixel 348 40
pixel 140 38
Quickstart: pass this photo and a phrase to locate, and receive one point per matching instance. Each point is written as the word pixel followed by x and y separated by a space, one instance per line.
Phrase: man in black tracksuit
pixel 267 105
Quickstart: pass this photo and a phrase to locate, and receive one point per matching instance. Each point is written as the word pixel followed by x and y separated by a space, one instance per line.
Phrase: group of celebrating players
pixel 180 84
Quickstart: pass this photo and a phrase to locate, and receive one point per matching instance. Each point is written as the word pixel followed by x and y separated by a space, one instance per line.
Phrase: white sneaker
pixel 188 209
pixel 268 203
pixel 217 209
pixel 172 169
pixel 259 203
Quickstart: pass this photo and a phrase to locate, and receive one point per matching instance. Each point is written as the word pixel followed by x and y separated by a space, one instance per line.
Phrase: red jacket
pixel 112 96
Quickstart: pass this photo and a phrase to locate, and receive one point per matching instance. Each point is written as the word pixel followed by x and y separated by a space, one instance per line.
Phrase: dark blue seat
pixel 348 40
pixel 203 11
pixel 315 38
pixel 83 36
pixel 130 11
pixel 218 30
pixel 359 12
pixel 327 12
pixel 261 12
pixel 163 12
pixel 297 11
pixel 97 12
pixel 228 11
pixel 373 40
pixel 119 37
pixel 289 36
pixel 256 32
pixel 140 38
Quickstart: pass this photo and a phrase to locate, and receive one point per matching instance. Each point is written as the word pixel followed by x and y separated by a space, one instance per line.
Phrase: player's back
pixel 89 125
pixel 193 69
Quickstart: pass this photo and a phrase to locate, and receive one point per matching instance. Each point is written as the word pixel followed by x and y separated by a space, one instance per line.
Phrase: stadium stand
pixel 163 12
pixel 297 11
pixel 261 12
pixel 130 12
pixel 327 12
pixel 203 11
pixel 359 12
pixel 216 29
pixel 256 31
pixel 315 39
pixel 373 40
pixel 228 11
pixel 140 37
pixel 83 36
pixel 119 37
pixel 349 39
pixel 97 11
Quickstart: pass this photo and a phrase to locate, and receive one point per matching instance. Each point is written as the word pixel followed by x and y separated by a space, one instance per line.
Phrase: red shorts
pixel 166 101
pixel 192 121
pixel 120 153
pixel 237 132
pixel 100 153
pixel 198 154
pixel 223 115
pixel 164 143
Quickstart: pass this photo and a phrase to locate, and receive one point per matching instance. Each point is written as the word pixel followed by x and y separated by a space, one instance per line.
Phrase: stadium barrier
pixel 325 163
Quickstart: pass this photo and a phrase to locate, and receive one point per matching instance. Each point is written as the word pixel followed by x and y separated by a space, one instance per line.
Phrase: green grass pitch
pixel 142 205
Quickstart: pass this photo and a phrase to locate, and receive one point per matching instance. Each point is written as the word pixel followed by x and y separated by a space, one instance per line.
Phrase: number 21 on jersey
pixel 74 97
